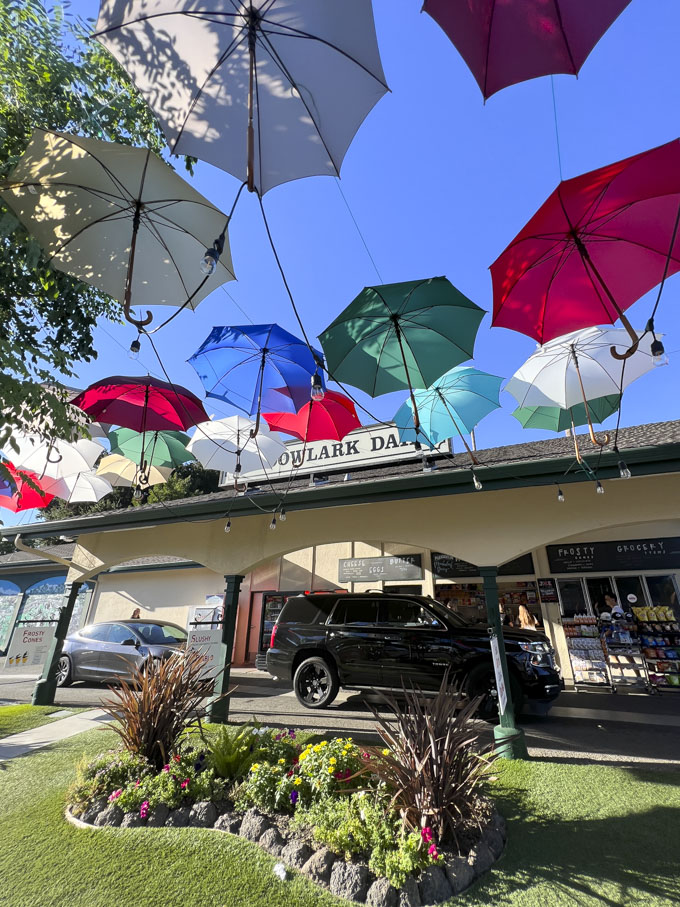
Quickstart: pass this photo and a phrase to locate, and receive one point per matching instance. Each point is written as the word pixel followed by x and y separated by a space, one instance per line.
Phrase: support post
pixel 218 707
pixel 46 687
pixel 509 739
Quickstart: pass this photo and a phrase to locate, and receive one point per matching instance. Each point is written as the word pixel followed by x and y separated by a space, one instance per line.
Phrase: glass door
pixel 601 594
pixel 631 593
pixel 572 597
pixel 663 592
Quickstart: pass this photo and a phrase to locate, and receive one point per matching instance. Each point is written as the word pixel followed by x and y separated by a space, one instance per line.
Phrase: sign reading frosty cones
pixel 29 647
pixel 208 643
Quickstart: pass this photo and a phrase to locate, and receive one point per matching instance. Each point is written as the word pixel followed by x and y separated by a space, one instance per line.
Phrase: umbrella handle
pixel 138 322
pixel 633 336
pixel 594 439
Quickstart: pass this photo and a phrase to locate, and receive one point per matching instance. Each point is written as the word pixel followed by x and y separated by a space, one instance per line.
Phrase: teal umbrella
pixel 401 335
pixel 155 448
pixel 454 404
pixel 553 418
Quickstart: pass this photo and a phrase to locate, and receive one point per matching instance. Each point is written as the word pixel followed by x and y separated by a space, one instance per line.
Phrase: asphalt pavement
pixel 626 728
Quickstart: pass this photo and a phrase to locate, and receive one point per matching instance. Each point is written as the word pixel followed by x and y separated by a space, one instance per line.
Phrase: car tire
pixel 64 672
pixel 315 683
pixel 480 681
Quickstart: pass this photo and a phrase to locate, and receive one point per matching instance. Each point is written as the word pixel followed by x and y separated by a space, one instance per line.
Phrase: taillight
pixel 271 641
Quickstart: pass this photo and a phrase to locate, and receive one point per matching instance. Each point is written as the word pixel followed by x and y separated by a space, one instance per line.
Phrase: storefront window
pixel 599 589
pixel 42 601
pixel 630 592
pixel 572 597
pixel 663 592
pixel 10 594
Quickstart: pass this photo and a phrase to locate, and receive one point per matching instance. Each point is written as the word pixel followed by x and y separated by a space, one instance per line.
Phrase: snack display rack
pixel 660 637
pixel 588 662
pixel 625 660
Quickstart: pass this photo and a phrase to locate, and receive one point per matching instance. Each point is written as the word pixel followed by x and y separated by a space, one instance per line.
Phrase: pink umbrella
pixel 329 419
pixel 24 497
pixel 508 41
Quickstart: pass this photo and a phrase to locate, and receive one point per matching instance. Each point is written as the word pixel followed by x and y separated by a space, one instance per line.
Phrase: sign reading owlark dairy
pixel 359 448
pixel 208 643
pixel 29 647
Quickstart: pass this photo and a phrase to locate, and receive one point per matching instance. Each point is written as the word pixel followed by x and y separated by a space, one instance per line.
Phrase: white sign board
pixel 362 447
pixel 209 644
pixel 500 685
pixel 29 647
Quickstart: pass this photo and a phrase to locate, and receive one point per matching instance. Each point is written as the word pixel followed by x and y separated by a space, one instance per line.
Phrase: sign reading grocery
pixel 365 569
pixel 630 554
pixel 29 647
pixel 362 447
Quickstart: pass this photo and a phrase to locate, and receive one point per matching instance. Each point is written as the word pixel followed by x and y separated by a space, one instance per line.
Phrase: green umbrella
pixel 401 335
pixel 160 448
pixel 552 418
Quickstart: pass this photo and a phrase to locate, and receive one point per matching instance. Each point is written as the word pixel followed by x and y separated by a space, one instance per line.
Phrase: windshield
pixel 446 613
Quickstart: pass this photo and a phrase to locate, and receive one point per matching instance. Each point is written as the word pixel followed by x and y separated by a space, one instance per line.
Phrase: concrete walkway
pixel 47 734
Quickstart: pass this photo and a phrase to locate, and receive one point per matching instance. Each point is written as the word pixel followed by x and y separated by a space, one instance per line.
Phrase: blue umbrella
pixel 258 368
pixel 455 403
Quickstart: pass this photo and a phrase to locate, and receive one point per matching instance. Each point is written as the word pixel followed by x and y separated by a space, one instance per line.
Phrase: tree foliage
pixel 52 75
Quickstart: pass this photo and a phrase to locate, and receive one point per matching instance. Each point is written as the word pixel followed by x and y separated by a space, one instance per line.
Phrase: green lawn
pixel 581 836
pixel 17 718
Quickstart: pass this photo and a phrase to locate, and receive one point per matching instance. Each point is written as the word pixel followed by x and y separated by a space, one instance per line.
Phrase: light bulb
pixel 272 525
pixel 599 487
pixel 560 495
pixel 237 468
pixel 658 352
pixel 317 392
pixel 282 516
pixel 624 472
pixel 478 485
pixel 227 526
pixel 417 445
pixel 137 493
pixel 209 262
pixel 135 347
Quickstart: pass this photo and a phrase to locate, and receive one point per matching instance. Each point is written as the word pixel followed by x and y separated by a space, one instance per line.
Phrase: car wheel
pixel 64 676
pixel 480 682
pixel 315 683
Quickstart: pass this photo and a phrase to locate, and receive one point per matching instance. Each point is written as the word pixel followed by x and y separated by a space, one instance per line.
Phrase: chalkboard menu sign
pixel 444 566
pixel 547 590
pixel 606 557
pixel 365 569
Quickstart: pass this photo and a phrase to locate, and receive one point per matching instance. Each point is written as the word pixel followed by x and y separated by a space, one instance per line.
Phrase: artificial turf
pixel 17 718
pixel 578 835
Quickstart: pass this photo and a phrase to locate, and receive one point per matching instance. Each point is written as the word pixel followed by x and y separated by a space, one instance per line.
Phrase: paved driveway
pixel 622 728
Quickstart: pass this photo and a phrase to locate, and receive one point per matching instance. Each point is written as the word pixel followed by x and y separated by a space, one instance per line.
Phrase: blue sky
pixel 439 183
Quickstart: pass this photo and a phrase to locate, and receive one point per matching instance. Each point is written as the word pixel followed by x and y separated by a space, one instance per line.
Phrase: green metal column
pixel 46 687
pixel 509 739
pixel 218 707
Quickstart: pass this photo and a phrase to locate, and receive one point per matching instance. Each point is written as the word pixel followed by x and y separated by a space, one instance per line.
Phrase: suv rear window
pixel 306 610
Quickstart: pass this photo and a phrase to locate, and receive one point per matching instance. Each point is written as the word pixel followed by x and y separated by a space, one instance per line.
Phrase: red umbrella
pixel 329 419
pixel 142 404
pixel 598 243
pixel 508 41
pixel 25 497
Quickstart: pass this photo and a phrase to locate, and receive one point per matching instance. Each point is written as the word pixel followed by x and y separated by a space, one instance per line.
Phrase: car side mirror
pixel 130 642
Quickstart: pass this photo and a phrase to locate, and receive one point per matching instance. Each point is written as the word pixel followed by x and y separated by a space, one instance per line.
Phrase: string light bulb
pixel 599 488
pixel 282 516
pixel 212 256
pixel 560 495
pixel 227 526
pixel 417 446
pixel 475 481
pixel 624 472
pixel 137 493
pixel 135 347
pixel 659 355
pixel 317 393
pixel 272 525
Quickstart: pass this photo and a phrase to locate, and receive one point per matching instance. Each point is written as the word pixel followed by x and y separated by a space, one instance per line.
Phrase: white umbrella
pixel 85 486
pixel 118 218
pixel 121 472
pixel 227 445
pixel 269 90
pixel 53 459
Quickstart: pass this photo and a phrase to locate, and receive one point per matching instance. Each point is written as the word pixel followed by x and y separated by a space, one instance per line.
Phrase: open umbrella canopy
pixel 121 472
pixel 508 42
pixel 53 459
pixel 578 367
pixel 598 243
pixel 552 418
pixel 158 448
pixel 401 335
pixel 141 403
pixel 229 446
pixel 20 495
pixel 269 90
pixel 118 218
pixel 454 404
pixel 256 367
pixel 329 419
pixel 82 487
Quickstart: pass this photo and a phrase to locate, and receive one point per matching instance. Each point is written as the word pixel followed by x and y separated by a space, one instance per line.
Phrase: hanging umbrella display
pixel 258 367
pixel 82 487
pixel 552 418
pixel 229 445
pixel 268 90
pixel 401 336
pixel 118 218
pixel 508 42
pixel 329 419
pixel 144 404
pixel 578 367
pixel 454 404
pixel 598 243
pixel 19 495
pixel 157 448
pixel 121 472
pixel 53 459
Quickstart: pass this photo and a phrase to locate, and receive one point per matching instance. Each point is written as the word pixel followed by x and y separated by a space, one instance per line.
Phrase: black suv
pixel 325 641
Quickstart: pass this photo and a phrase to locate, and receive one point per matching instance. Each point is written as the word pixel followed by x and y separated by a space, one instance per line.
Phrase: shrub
pixel 430 764
pixel 185 778
pixel 232 751
pixel 153 712
pixel 108 772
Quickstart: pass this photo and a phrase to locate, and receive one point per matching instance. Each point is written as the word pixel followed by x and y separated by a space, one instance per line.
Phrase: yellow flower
pixel 385 752
pixel 303 755
pixel 324 743
pixel 282 761
pixel 297 782
pixel 332 760
pixel 255 766
pixel 330 769
pixel 317 748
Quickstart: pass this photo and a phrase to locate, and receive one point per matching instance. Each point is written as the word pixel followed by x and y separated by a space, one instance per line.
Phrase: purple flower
pixel 144 809
pixel 294 797
pixel 291 734
pixel 185 783
pixel 115 794
pixel 166 768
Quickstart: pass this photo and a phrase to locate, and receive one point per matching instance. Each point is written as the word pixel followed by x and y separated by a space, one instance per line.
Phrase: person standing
pixel 527 621
pixel 136 614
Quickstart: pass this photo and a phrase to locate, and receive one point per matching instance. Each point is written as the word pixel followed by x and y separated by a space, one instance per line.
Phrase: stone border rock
pixel 450 876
